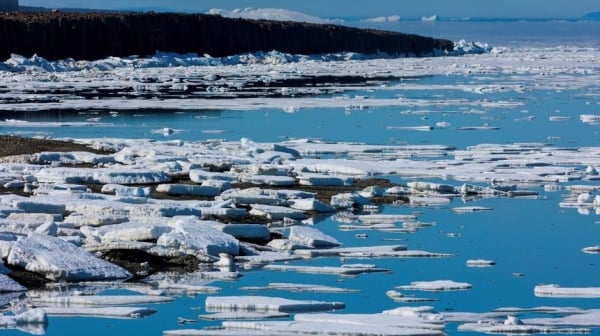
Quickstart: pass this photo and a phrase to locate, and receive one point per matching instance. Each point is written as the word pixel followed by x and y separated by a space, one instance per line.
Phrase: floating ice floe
pixel 480 263
pixel 188 189
pixel 198 238
pixel 56 259
pixel 467 209
pixel 400 297
pixel 243 315
pixel 97 300
pixel 437 285
pixel 382 250
pixel 342 270
pixel 275 212
pixel 292 287
pixel 33 321
pixel 311 237
pixel 591 249
pixel 9 285
pixel 513 325
pixel 266 303
pixel 566 292
pixel 105 312
pixel 403 321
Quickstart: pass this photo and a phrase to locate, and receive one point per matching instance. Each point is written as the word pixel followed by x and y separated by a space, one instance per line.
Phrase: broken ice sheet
pixel 267 303
pixel 332 270
pixel 554 290
pixel 292 287
pixel 436 285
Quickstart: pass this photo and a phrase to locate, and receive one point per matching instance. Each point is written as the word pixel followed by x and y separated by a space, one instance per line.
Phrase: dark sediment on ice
pixel 98 35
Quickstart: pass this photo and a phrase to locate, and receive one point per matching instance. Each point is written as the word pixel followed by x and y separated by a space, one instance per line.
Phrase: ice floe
pixel 267 303
pixel 59 260
pixel 566 292
pixel 436 285
pixel 292 287
pixel 333 270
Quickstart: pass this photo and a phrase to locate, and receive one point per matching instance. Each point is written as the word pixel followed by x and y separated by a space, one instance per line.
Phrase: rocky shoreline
pixel 15 149
pixel 92 36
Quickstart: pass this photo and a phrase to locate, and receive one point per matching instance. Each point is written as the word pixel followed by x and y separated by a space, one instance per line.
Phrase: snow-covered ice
pixel 58 260
pixel 436 285
pixel 267 303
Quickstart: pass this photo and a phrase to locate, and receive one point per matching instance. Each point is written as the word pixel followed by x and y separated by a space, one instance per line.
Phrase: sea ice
pixel 57 260
pixel 9 285
pixel 246 232
pixel 566 292
pixel 480 263
pixel 311 237
pixel 265 303
pixel 106 312
pixel 97 300
pixel 188 189
pixel 24 320
pixel 197 237
pixel 275 212
pixel 292 287
pixel 326 269
pixel 437 285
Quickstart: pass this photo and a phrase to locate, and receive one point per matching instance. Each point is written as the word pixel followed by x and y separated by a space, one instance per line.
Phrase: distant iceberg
pixel 432 18
pixel 383 19
pixel 276 14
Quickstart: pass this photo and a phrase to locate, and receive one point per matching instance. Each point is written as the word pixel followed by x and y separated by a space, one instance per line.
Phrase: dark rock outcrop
pixel 98 35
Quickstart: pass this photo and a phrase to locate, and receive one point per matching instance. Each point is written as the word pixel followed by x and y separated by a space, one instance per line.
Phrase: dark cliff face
pixel 93 36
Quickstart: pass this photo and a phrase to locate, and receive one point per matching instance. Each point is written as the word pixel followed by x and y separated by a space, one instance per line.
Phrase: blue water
pixel 531 237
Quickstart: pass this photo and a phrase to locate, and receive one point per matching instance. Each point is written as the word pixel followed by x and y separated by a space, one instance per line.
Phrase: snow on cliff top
pixel 276 14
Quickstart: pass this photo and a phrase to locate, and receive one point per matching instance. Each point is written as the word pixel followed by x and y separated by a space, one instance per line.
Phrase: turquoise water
pixel 533 241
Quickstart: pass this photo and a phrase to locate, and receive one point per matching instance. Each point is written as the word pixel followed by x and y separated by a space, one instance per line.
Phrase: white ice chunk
pixel 275 212
pixel 271 180
pixel 348 200
pixel 293 287
pixel 325 180
pixel 56 260
pixel 129 231
pixel 466 209
pixel 513 325
pixel 97 300
pixel 9 285
pixel 238 315
pixel 436 285
pixel 129 176
pixel 200 175
pixel 23 320
pixel 198 237
pixel 121 190
pixel 310 204
pixel 326 269
pixel 311 237
pixel 480 263
pixel 553 290
pixel 266 303
pixel 33 205
pixel 358 250
pixel 106 312
pixel 400 297
pixel 188 189
pixel 246 232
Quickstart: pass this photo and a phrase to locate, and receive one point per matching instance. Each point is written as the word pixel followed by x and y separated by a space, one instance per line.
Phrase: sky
pixel 356 8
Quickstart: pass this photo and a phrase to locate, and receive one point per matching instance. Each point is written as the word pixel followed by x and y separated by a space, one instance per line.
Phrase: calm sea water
pixel 531 237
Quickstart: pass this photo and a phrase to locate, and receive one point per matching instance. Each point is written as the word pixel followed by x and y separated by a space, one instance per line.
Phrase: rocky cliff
pixel 97 35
